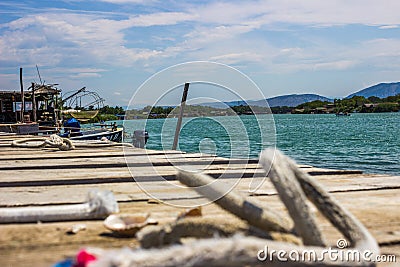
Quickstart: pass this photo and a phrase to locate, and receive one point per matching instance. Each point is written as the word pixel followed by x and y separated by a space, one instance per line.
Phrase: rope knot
pixel 63 144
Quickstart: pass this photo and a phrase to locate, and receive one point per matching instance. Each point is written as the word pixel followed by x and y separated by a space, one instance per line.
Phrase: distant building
pixel 370 105
pixel 39 106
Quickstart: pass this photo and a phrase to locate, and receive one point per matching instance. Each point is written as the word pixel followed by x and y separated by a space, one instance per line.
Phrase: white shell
pixel 127 224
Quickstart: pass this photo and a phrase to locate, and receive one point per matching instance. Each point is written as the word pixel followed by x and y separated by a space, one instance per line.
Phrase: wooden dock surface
pixel 48 176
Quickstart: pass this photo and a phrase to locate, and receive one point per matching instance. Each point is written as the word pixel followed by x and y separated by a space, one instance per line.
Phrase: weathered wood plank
pixel 116 176
pixel 133 160
pixel 130 191
pixel 49 176
pixel 20 244
pixel 55 152
pixel 41 177
pixel 59 154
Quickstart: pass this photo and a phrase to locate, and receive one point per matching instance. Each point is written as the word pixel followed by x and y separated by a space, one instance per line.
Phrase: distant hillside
pixel 223 105
pixel 381 90
pixel 284 100
pixel 295 100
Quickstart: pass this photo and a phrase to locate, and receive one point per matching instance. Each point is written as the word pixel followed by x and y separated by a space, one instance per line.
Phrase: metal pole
pixel 179 123
pixel 22 95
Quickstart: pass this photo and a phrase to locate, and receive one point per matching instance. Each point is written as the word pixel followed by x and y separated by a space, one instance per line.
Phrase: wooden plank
pixel 41 177
pixel 55 152
pixel 130 191
pixel 121 177
pixel 137 161
pixel 21 244
pixel 133 160
pixel 49 176
pixel 46 174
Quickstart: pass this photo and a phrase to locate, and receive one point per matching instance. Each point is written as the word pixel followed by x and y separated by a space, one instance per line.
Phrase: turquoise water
pixel 368 142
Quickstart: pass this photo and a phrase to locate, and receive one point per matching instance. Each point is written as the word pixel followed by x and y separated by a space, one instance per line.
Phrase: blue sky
pixel 332 47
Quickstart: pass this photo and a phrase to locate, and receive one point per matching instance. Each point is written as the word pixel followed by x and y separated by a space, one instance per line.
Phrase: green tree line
pixel 108 113
pixel 354 104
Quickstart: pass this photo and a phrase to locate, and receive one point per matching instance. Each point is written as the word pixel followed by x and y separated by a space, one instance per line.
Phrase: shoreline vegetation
pixel 355 104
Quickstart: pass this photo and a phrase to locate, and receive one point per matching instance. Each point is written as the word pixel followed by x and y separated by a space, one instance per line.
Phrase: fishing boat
pixel 86 105
pixel 100 134
pixel 343 114
pixel 73 131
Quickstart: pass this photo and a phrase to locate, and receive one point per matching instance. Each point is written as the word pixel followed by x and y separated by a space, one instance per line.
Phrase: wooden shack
pixel 38 106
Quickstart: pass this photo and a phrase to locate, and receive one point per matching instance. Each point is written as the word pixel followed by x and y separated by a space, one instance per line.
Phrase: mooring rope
pixel 98 205
pixel 54 140
pixel 64 144
pixel 294 187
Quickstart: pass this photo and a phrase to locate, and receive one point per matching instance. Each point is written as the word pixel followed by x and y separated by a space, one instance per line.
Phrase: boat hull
pixel 114 136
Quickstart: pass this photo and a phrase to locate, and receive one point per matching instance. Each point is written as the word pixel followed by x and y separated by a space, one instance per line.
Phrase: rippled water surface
pixel 368 142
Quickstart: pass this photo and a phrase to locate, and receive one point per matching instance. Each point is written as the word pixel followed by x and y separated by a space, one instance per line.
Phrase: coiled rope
pixel 54 140
pixel 64 144
pixel 294 187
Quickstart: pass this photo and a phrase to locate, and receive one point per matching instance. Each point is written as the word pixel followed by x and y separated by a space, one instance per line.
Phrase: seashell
pixel 74 229
pixel 127 224
pixel 193 212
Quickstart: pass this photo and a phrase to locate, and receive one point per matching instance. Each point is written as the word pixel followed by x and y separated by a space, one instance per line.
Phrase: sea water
pixel 367 142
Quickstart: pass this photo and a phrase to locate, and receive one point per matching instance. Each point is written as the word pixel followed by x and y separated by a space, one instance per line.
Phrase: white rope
pixel 99 205
pixel 63 144
pixel 38 142
pixel 292 185
pixel 34 142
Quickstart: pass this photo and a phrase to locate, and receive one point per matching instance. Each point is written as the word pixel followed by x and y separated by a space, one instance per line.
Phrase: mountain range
pixel 295 100
pixel 381 90
pixel 284 100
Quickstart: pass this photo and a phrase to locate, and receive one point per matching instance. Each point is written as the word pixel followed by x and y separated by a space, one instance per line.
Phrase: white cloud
pixel 159 18
pixel 69 37
pixel 335 65
pixel 129 1
pixel 85 75
pixel 207 34
pixel 312 12
pixel 228 13
pixel 389 27
pixel 219 35
pixel 234 58
pixel 50 39
pixel 73 70
pixel 237 32
pixel 383 47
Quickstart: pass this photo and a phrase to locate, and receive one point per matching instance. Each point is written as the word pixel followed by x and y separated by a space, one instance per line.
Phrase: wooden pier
pixel 48 176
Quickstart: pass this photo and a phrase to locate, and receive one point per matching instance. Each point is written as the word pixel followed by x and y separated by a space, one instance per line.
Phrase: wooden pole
pixel 22 95
pixel 56 111
pixel 34 103
pixel 14 98
pixel 179 123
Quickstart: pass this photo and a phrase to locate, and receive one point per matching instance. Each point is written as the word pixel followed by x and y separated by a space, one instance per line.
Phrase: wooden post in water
pixel 22 96
pixel 179 123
